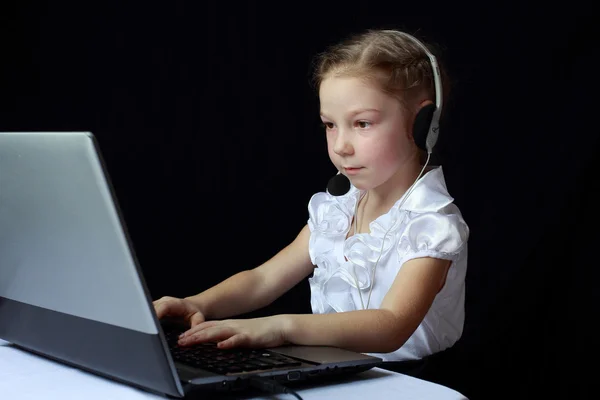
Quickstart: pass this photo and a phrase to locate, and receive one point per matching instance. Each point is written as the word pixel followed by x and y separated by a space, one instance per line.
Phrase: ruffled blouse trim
pixel 407 230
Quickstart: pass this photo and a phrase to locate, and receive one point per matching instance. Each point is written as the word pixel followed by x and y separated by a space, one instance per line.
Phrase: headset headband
pixel 434 126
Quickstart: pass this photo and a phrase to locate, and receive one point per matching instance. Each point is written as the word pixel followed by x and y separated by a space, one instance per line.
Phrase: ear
pixel 424 103
pixel 422 123
pixel 416 110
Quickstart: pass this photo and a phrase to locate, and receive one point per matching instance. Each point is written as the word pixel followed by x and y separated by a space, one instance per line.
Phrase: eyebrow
pixel 357 111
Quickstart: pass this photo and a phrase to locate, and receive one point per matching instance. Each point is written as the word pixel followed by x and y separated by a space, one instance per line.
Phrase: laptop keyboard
pixel 207 356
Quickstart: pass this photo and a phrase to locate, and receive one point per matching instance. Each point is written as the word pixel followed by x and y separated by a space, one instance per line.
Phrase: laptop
pixel 72 290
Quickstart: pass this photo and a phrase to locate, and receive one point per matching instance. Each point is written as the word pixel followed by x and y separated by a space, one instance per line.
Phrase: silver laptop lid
pixel 61 244
pixel 64 250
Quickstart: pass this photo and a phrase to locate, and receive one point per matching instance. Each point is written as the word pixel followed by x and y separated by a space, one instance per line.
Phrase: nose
pixel 342 145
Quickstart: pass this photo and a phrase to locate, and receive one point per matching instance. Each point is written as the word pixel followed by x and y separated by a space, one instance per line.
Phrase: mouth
pixel 352 170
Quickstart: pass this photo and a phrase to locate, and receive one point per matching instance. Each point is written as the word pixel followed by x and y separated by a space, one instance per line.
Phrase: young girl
pixel 390 254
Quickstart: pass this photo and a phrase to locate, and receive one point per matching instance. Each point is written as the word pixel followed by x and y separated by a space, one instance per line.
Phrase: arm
pixel 256 288
pixel 376 331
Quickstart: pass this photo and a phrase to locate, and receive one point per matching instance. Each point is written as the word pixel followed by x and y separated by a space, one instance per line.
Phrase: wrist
pixel 287 327
pixel 197 303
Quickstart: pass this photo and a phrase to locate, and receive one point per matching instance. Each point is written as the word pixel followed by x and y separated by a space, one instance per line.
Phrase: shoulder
pixel 433 223
pixel 435 234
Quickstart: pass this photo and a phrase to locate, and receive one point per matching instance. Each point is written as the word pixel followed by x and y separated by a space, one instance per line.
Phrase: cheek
pixel 383 154
pixel 332 156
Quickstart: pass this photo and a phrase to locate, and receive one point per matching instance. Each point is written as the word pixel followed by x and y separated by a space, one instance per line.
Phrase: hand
pixel 179 308
pixel 257 332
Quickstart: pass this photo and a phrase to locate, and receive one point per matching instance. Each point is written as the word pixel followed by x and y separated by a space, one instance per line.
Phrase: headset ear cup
pixel 422 124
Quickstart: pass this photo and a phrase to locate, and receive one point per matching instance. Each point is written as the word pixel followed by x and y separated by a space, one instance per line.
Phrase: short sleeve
pixel 433 234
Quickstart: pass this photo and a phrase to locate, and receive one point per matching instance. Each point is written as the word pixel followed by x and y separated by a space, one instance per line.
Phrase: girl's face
pixel 369 135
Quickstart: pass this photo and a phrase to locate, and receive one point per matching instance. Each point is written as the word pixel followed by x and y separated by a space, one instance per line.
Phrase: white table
pixel 27 376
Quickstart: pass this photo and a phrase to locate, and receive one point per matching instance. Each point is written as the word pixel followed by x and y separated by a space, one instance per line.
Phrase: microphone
pixel 338 185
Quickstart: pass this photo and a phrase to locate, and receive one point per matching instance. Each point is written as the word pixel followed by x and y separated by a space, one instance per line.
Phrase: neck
pixel 383 197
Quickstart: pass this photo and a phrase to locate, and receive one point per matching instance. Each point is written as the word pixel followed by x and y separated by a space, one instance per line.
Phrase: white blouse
pixel 428 224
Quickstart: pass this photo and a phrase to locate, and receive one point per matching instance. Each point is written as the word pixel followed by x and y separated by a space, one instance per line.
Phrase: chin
pixel 360 184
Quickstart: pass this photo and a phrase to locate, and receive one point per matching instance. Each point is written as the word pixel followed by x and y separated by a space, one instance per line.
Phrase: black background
pixel 211 134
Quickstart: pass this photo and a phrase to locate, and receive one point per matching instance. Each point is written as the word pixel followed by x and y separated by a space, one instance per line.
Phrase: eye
pixel 363 124
pixel 328 125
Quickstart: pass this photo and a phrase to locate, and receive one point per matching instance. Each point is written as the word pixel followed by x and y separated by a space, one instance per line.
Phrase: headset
pixel 425 133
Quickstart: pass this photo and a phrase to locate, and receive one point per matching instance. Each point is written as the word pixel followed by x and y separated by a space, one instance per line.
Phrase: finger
pixel 158 301
pixel 212 334
pixel 161 309
pixel 238 340
pixel 166 306
pixel 164 299
pixel 169 309
pixel 198 328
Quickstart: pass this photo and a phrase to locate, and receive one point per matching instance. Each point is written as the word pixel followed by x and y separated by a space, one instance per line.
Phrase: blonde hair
pixel 386 57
